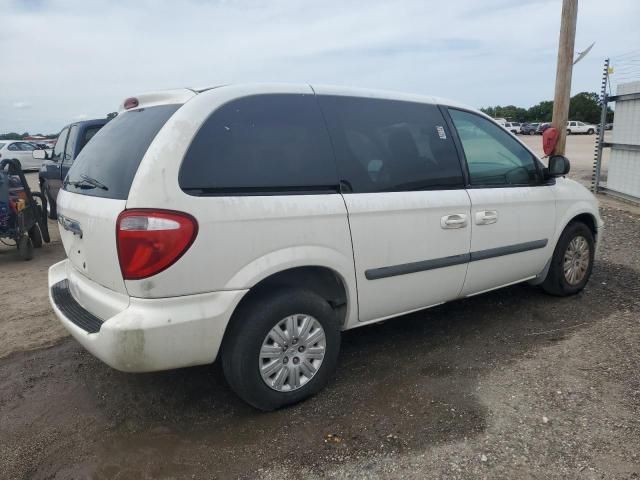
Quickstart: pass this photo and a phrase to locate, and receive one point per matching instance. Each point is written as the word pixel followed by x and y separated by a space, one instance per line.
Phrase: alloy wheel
pixel 576 260
pixel 292 352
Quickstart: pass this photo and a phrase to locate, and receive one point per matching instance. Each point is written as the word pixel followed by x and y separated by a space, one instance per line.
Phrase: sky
pixel 64 60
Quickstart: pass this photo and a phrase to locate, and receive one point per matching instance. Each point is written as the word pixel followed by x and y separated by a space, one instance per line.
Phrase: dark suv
pixel 529 128
pixel 542 127
pixel 71 141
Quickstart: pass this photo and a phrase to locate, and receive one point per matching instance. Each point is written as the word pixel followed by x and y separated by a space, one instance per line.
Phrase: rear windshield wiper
pixel 87 183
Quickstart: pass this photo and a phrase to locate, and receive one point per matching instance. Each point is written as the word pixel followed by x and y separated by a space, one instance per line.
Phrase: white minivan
pixel 254 223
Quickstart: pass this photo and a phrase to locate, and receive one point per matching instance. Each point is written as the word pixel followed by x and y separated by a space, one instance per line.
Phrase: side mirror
pixel 558 166
pixel 40 154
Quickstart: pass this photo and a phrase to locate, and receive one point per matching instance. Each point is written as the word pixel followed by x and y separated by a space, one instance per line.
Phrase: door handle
pixel 486 217
pixel 456 220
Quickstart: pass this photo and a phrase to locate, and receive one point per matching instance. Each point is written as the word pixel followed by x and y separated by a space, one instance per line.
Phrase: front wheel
pixel 36 236
pixel 590 131
pixel 281 348
pixel 532 132
pixel 568 132
pixel 51 202
pixel 25 247
pixel 572 261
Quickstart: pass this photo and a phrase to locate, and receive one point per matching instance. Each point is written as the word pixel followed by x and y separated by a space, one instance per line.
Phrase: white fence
pixel 623 176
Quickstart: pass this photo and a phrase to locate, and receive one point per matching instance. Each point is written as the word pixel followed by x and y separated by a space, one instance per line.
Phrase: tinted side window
pixel 259 144
pixel 13 147
pixel 493 156
pixel 388 145
pixel 59 147
pixel 27 147
pixel 71 142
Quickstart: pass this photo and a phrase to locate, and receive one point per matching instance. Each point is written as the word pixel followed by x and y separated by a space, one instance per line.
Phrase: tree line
pixel 584 107
pixel 20 136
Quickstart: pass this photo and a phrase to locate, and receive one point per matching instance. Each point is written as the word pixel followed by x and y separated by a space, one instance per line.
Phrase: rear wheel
pixel 568 132
pixel 281 348
pixel 572 261
pixel 532 132
pixel 25 247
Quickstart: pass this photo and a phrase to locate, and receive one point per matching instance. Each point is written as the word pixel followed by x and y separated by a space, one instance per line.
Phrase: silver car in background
pixel 22 151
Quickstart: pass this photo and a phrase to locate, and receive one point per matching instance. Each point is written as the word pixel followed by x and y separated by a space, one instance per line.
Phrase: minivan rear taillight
pixel 150 241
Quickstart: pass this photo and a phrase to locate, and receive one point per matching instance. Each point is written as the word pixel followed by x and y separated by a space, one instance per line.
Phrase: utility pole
pixel 563 72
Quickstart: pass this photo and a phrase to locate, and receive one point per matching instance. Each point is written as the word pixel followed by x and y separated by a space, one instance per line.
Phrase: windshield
pixel 108 163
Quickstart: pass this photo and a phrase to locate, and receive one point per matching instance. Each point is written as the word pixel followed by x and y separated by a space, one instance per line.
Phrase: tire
pixel 250 331
pixel 532 132
pixel 43 205
pixel 556 282
pixel 51 202
pixel 590 131
pixel 568 132
pixel 36 236
pixel 25 248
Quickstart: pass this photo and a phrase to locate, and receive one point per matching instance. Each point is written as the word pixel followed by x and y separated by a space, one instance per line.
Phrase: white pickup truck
pixel 580 127
pixel 513 127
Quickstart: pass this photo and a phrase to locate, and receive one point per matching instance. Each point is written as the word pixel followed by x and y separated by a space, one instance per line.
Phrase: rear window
pixel 89 133
pixel 108 163
pixel 262 144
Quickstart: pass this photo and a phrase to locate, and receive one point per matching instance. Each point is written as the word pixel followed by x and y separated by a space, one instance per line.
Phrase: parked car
pixel 500 121
pixel 607 126
pixel 513 127
pixel 56 164
pixel 574 127
pixel 252 224
pixel 529 128
pixel 19 150
pixel 542 127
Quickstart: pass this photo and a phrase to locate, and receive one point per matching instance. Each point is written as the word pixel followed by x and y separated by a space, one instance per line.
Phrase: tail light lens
pixel 150 241
pixel 130 103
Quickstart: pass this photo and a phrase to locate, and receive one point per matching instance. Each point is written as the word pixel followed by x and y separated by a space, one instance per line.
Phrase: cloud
pixel 21 105
pixel 480 53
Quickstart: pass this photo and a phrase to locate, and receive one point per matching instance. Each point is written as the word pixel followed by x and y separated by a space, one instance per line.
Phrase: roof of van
pixel 182 95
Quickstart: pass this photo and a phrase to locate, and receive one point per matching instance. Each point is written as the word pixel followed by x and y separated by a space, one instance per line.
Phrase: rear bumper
pixel 141 335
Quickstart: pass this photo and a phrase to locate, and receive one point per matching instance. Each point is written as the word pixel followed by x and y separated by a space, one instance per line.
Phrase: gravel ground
pixel 510 384
pixel 26 319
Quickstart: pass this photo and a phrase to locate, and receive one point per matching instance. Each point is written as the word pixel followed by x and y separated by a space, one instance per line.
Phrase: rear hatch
pixel 97 186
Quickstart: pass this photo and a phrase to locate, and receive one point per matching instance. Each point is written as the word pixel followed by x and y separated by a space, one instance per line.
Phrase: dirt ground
pixel 510 384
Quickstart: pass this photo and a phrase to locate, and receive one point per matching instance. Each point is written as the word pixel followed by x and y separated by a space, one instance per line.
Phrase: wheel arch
pixel 588 219
pixel 582 212
pixel 584 216
pixel 301 263
pixel 322 280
